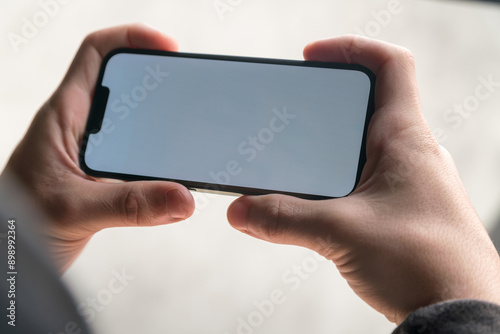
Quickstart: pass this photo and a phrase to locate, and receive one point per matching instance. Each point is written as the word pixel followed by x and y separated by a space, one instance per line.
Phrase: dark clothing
pixel 460 317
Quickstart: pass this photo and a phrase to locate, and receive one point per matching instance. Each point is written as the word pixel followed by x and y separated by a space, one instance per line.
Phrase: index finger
pixel 85 67
pixel 396 88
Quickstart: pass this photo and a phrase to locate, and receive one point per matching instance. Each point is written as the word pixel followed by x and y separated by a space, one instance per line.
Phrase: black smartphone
pixel 229 124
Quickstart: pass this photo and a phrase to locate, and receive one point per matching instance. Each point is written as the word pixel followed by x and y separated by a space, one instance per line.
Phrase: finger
pixel 85 67
pixel 289 220
pixel 396 91
pixel 80 80
pixel 144 203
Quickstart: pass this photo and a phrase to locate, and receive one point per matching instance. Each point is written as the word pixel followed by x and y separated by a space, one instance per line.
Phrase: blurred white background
pixel 200 276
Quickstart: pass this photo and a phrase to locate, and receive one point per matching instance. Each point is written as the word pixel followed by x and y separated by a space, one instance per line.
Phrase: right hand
pixel 408 236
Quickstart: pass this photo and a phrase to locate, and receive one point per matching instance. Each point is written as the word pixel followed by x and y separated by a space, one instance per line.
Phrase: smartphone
pixel 229 124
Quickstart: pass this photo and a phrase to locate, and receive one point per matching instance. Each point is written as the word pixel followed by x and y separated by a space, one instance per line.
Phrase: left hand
pixel 46 160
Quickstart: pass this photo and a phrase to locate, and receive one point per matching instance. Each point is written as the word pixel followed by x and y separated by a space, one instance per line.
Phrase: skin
pixel 407 237
pixel 46 160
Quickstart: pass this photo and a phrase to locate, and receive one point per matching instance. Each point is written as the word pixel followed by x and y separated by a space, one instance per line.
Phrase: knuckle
pixel 135 206
pixel 93 41
pixel 274 221
pixel 89 39
pixel 131 206
pixel 145 205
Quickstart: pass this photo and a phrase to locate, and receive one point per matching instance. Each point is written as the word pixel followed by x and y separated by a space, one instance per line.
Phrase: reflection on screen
pixel 286 128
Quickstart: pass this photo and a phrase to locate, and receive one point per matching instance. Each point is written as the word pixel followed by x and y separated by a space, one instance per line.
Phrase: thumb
pixel 288 220
pixel 144 203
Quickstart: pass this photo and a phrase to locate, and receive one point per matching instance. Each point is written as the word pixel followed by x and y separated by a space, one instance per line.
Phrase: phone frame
pixel 100 99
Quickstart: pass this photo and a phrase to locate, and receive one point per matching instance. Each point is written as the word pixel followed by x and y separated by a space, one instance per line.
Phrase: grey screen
pixel 278 127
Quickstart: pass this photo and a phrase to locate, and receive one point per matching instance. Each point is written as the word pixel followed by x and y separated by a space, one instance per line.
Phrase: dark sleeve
pixel 457 317
pixel 33 299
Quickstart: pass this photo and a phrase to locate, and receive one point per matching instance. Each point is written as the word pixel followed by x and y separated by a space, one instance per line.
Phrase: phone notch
pixel 96 115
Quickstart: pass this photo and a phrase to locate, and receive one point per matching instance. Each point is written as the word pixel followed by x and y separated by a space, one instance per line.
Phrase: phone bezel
pixel 95 118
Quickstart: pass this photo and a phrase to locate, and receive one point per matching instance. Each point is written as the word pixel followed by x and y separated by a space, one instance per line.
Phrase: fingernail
pixel 237 215
pixel 176 204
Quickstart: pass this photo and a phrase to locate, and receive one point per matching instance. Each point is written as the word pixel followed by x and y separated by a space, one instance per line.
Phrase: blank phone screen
pixel 270 127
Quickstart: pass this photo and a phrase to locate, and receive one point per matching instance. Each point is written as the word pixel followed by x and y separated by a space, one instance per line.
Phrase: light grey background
pixel 200 275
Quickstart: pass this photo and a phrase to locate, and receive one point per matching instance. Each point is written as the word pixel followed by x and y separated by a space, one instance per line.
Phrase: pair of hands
pixel 407 236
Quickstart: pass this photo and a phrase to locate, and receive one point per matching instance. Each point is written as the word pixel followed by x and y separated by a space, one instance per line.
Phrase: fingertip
pixel 188 197
pixel 144 35
pixel 177 204
pixel 237 214
pixel 316 50
pixel 307 50
pixel 180 203
pixel 322 50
